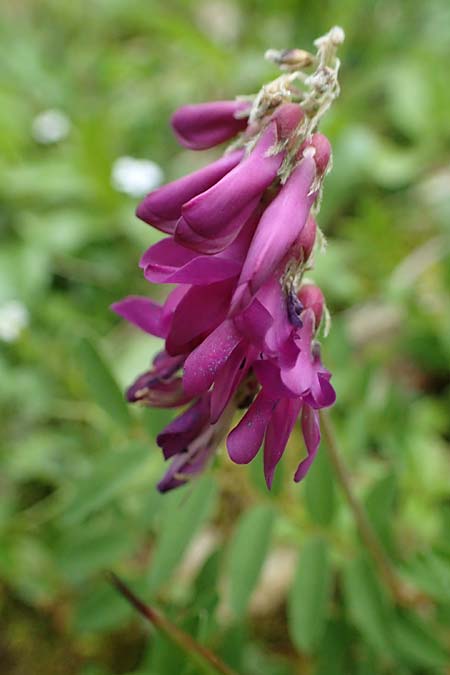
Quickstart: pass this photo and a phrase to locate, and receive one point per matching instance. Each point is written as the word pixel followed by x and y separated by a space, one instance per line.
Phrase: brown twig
pixel 402 593
pixel 205 658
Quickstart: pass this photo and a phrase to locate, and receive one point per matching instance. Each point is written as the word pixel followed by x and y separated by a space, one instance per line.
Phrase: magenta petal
pixel 299 378
pixel 322 147
pixel 311 435
pixel 154 393
pixel 169 262
pixel 202 270
pixel 186 466
pixel 162 208
pixel 159 387
pixel 157 394
pixel 245 439
pixel 173 300
pixel 311 297
pixel 245 220
pixel 210 213
pixel 204 125
pixel 304 245
pixel 241 299
pixel 321 394
pixel 288 116
pixel 177 435
pixel 143 313
pixel 280 226
pixel 268 375
pixel 166 255
pixel 254 323
pixel 186 236
pixel 278 342
pixel 277 435
pixel 202 364
pixel 200 311
pixel 229 377
pixel 265 323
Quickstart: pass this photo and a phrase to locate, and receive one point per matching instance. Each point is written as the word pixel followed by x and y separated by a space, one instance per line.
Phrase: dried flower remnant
pixel 241 326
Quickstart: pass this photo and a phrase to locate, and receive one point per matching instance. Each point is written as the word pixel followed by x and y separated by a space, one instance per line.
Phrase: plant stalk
pixel 203 656
pixel 402 593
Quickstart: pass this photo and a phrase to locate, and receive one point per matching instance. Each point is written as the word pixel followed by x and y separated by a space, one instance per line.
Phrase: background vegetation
pixel 275 583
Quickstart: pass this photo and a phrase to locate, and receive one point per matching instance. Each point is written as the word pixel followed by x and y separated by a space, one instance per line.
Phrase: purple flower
pixel 280 228
pixel 185 428
pixel 169 261
pixel 240 328
pixel 274 412
pixel 288 368
pixel 272 420
pixel 224 207
pixel 199 311
pixel 161 386
pixel 162 208
pixel 204 125
pixel 190 441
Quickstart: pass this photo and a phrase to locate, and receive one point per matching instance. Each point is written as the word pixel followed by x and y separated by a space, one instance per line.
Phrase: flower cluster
pixel 240 326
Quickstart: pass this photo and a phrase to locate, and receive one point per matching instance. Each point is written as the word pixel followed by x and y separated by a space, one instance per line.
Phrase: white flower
pixel 135 177
pixel 13 319
pixel 50 126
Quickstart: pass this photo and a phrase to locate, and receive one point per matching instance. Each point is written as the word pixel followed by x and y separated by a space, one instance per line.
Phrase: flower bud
pixel 311 297
pixel 288 116
pixel 322 151
pixel 307 238
pixel 203 125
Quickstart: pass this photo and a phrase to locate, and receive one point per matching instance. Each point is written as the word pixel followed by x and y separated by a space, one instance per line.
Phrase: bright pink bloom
pixel 200 310
pixel 161 386
pixel 238 333
pixel 272 420
pixel 223 207
pixel 278 230
pixel 204 125
pixel 162 208
pixel 185 428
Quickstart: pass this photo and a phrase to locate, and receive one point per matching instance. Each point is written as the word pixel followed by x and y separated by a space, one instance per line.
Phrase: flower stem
pixel 402 594
pixel 204 657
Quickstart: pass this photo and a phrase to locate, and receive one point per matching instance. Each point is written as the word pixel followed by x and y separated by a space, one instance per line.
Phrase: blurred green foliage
pixel 78 467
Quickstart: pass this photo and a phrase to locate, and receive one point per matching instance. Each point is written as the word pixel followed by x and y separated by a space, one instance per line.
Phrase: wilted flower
pixel 241 325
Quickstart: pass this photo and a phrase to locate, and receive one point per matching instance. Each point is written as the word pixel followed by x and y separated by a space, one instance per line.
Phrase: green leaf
pixel 415 643
pixel 430 571
pixel 379 504
pixel 102 384
pixel 205 589
pixel 366 604
pixel 246 553
pixel 409 98
pixel 334 649
pixel 109 477
pixel 320 497
pixel 256 473
pixel 100 608
pixel 309 595
pixel 185 512
pixel 90 549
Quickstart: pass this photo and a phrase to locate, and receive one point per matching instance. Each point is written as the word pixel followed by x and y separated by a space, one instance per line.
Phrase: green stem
pixel 204 657
pixel 401 593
